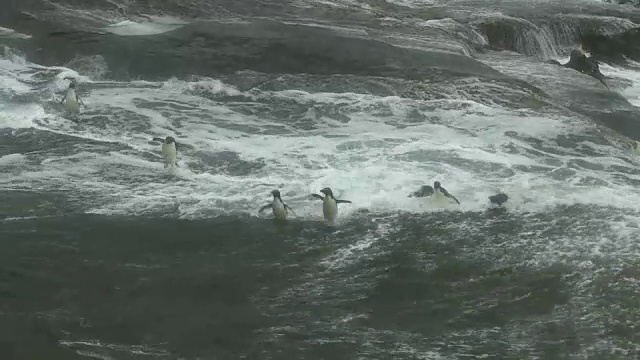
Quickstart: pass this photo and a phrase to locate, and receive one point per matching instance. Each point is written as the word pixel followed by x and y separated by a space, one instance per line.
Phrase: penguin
pixel 279 208
pixel 441 195
pixel 636 146
pixel 71 101
pixel 169 150
pixel 498 199
pixel 438 194
pixel 424 191
pixel 329 205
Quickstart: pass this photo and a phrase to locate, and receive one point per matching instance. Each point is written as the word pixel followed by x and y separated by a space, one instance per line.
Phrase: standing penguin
pixel 441 195
pixel 169 151
pixel 71 101
pixel 636 146
pixel 329 205
pixel 279 208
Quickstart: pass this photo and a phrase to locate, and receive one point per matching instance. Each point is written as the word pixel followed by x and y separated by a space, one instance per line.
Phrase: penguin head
pixel 327 191
pixel 169 140
pixel 72 85
pixel 436 185
pixel 276 194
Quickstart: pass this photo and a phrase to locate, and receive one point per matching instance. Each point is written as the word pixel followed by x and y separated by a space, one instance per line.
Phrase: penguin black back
pixel 425 190
pixel 498 199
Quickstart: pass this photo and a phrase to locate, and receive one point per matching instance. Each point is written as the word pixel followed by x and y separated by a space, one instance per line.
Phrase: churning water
pixel 106 254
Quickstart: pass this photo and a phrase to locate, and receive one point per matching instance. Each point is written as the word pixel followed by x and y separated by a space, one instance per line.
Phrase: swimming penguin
pixel 71 101
pixel 424 191
pixel 329 204
pixel 441 195
pixel 279 208
pixel 169 150
pixel 498 199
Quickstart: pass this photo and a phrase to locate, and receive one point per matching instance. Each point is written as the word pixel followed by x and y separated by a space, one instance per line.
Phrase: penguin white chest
pixel 329 209
pixel 71 101
pixel 439 199
pixel 170 154
pixel 279 211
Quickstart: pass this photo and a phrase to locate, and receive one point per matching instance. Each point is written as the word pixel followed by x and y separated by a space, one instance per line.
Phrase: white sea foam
pixel 151 25
pixel 11 159
pixel 11 33
pixel 414 4
pixel 368 159
pixel 632 92
pixel 19 116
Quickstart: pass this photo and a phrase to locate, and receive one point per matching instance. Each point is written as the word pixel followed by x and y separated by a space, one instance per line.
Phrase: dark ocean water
pixel 239 288
pixel 104 254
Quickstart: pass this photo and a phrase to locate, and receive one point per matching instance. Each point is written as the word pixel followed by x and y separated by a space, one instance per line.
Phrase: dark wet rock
pixel 614 48
pixel 215 48
pixel 510 34
pixel 586 65
pixel 623 2
pixel 543 32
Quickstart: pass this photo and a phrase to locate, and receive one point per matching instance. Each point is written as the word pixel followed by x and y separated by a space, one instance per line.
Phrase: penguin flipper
pixel 63 98
pixel 268 206
pixel 80 101
pixel 604 83
pixel 290 210
pixel 343 201
pixel 446 193
pixel 317 196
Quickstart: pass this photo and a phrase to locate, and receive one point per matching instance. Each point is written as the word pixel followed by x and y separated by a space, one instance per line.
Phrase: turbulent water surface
pixel 105 254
